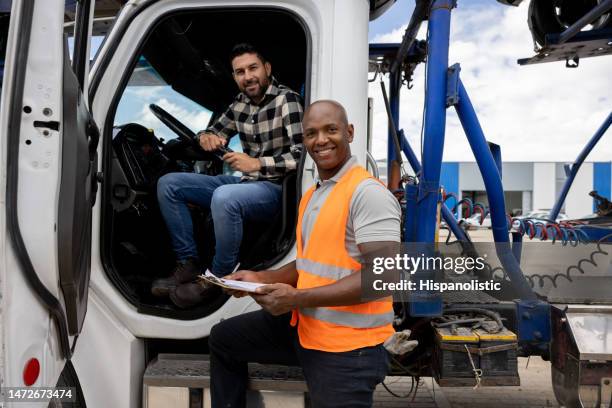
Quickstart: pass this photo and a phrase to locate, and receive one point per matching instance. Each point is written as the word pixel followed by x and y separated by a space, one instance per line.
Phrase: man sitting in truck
pixel 343 220
pixel 268 118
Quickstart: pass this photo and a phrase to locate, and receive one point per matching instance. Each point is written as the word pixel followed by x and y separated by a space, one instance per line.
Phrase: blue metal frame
pixel 430 303
pixel 435 118
pixel 447 215
pixel 576 166
pixel 442 85
pixel 496 152
pixel 486 164
pixel 395 83
pixel 533 323
pixel 444 88
pixel 495 192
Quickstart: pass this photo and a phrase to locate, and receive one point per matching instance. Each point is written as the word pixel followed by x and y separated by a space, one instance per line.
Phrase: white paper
pixel 231 284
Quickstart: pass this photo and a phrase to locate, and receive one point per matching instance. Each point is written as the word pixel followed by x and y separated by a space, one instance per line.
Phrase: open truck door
pixel 50 156
pixel 78 185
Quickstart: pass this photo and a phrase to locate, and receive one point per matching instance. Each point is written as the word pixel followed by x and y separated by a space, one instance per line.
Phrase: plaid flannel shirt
pixel 270 131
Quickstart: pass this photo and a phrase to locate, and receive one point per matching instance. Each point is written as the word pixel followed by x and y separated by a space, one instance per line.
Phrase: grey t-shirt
pixel 374 213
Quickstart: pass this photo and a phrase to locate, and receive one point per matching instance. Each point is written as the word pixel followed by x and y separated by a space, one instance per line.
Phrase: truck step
pixel 183 380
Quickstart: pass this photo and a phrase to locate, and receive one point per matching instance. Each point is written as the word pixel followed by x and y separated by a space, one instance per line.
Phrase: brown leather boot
pixel 191 294
pixel 183 272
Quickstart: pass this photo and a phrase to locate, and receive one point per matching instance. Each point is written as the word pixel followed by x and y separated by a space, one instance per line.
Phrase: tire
pixel 544 17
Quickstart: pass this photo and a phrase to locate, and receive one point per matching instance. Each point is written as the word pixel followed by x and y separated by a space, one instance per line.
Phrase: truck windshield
pixel 147 87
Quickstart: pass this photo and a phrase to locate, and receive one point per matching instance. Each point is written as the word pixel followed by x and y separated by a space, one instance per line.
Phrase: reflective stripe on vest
pixel 325 261
pixel 323 270
pixel 355 320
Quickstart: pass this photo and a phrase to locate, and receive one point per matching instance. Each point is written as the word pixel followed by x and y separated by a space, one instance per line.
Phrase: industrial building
pixel 529 185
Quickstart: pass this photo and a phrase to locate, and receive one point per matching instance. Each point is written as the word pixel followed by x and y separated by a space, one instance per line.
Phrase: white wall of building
pixel 516 176
pixel 527 199
pixel 544 185
pixel 578 202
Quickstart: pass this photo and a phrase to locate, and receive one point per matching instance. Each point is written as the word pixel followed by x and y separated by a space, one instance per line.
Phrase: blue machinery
pixel 444 89
pixel 573 170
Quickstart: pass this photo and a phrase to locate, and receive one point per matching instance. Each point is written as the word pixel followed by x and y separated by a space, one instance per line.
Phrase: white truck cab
pixel 81 237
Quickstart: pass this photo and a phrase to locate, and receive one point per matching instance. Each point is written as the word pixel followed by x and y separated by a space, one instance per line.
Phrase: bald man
pixel 313 313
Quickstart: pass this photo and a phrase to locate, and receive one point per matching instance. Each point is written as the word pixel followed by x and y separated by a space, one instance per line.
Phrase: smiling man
pixel 313 313
pixel 268 118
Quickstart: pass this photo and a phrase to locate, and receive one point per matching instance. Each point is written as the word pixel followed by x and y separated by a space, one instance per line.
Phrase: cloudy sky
pixel 543 112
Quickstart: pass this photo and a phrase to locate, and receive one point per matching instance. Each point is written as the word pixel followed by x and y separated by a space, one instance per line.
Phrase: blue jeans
pixel 335 380
pixel 230 202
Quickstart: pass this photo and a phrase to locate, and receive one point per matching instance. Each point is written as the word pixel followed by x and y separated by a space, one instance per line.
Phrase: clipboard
pixel 241 286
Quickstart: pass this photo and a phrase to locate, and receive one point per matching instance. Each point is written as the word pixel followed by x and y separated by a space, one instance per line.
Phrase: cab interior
pixel 180 80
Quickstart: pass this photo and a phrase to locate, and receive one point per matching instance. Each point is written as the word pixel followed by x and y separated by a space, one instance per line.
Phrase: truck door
pixel 51 142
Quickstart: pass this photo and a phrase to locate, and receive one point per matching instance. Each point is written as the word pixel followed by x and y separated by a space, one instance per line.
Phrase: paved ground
pixel 426 395
pixel 535 392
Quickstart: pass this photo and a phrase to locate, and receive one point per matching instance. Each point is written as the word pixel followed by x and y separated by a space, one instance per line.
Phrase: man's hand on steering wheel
pixel 210 142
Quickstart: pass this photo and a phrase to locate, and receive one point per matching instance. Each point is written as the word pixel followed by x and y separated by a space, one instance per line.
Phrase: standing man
pixel 331 332
pixel 268 118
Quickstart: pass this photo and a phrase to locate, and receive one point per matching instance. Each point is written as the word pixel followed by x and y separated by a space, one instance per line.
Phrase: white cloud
pixel 542 112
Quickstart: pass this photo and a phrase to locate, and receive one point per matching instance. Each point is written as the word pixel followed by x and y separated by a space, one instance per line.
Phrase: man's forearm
pixel 285 274
pixel 346 291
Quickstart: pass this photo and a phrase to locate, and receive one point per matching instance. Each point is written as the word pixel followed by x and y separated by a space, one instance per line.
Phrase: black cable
pixel 405 370
pixel 393 125
pixel 403 301
pixel 400 365
pixel 399 395
pixel 416 388
pixel 589 260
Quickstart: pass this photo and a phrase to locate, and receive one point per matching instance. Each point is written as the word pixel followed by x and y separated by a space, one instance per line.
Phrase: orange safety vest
pixel 326 260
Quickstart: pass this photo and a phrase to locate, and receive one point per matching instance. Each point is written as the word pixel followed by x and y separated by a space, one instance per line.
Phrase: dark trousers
pixel 346 379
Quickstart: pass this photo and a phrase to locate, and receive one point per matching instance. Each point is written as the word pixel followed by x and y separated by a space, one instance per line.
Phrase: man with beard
pixel 313 312
pixel 268 118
